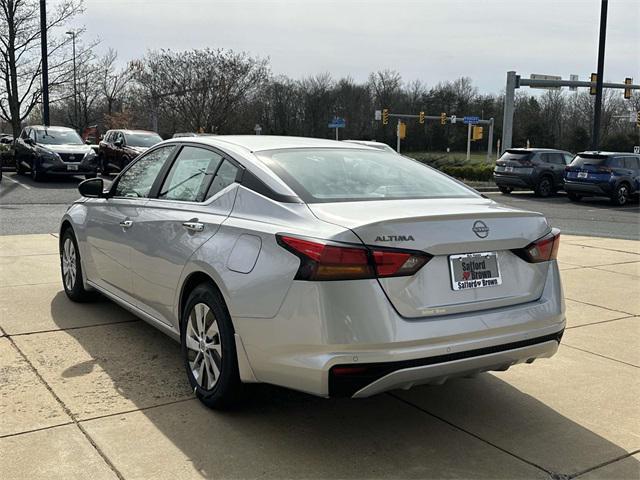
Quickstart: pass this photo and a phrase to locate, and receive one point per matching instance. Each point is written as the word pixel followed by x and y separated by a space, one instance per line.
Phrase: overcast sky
pixel 430 40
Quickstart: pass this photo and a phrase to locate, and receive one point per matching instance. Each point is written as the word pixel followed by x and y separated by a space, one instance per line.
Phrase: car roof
pixel 50 127
pixel 519 149
pixel 606 154
pixel 126 130
pixel 257 143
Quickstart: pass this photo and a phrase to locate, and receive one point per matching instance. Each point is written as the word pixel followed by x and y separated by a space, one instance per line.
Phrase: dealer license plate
pixel 583 174
pixel 72 167
pixel 474 270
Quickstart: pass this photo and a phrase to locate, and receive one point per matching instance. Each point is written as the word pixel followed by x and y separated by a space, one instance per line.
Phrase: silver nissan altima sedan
pixel 327 267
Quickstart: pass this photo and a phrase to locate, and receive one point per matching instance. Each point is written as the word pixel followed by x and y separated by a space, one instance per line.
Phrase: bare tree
pixel 113 82
pixel 20 62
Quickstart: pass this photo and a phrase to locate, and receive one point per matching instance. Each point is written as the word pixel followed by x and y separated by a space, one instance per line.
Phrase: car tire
pixel 574 197
pixel 620 195
pixel 505 190
pixel 209 350
pixel 544 187
pixel 71 269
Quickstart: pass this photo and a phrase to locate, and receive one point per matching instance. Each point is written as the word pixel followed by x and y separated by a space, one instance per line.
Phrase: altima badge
pixel 480 229
pixel 395 238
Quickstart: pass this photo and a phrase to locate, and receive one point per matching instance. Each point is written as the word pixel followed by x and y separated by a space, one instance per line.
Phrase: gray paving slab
pixel 566 414
pixel 289 435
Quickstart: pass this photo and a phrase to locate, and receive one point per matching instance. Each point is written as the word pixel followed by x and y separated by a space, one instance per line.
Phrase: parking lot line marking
pixel 15 181
pixel 600 355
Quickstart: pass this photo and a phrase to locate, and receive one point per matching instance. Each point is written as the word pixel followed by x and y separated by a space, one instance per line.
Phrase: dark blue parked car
pixel 611 174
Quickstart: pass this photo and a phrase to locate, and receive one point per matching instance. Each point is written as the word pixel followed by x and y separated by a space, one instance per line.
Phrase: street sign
pixel 378 115
pixel 636 149
pixel 470 120
pixel 537 76
pixel 574 78
pixel 337 122
pixel 453 119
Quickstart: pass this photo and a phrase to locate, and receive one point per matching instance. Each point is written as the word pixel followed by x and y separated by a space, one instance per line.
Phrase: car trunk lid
pixel 445 228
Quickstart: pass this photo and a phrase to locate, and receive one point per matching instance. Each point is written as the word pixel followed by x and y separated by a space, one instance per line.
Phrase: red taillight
pixel 543 249
pixel 321 260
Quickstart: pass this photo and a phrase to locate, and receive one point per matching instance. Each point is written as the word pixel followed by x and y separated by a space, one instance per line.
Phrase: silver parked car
pixel 326 267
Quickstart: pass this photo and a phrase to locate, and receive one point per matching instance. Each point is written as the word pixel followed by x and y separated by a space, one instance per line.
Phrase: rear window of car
pixel 595 160
pixel 517 156
pixel 342 175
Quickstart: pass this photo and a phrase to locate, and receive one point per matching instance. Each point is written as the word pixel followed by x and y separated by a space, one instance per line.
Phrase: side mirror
pixel 118 143
pixel 29 141
pixel 92 188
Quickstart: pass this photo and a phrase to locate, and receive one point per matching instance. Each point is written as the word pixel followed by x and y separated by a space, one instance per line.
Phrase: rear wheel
pixel 544 188
pixel 574 197
pixel 620 195
pixel 505 190
pixel 71 269
pixel 208 349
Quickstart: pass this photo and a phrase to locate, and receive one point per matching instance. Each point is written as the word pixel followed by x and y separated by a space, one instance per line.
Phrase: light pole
pixel 595 137
pixel 45 63
pixel 75 82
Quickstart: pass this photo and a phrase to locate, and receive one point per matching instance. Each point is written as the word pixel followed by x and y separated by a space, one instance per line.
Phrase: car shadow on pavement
pixel 107 372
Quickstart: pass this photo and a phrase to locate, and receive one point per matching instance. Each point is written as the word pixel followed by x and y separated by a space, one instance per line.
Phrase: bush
pixel 480 173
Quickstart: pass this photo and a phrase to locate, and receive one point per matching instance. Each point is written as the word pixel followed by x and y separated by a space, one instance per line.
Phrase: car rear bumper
pixel 503 180
pixel 587 188
pixel 318 340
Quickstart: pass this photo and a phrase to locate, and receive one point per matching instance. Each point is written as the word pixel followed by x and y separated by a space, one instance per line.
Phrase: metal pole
pixel 398 135
pixel 507 120
pixel 597 111
pixel 336 133
pixel 468 142
pixel 45 63
pixel 75 82
pixel 490 146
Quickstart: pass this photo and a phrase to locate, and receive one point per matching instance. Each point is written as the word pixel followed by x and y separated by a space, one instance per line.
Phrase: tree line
pixel 225 92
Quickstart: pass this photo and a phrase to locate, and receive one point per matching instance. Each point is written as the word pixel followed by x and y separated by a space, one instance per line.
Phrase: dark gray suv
pixel 537 169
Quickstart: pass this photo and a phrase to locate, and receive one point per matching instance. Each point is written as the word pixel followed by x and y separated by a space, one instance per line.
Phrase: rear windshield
pixel 594 160
pixel 342 175
pixel 515 156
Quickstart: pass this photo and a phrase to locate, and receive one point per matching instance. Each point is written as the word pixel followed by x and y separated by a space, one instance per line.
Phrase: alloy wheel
pixel 623 194
pixel 204 347
pixel 69 268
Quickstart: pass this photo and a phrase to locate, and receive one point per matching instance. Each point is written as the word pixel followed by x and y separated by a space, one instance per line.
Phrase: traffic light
pixel 402 130
pixel 385 116
pixel 421 118
pixel 477 133
pixel 443 118
pixel 594 79
pixel 627 91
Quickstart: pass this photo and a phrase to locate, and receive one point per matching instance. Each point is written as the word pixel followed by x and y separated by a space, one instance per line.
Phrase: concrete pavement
pixel 89 391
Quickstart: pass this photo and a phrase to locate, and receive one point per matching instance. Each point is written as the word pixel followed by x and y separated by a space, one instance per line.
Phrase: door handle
pixel 193 226
pixel 126 223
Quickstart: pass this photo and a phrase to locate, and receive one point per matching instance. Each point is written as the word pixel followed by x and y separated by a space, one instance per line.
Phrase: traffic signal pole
pixel 597 110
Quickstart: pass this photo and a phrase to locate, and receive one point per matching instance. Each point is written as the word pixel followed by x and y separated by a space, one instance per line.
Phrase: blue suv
pixel 611 174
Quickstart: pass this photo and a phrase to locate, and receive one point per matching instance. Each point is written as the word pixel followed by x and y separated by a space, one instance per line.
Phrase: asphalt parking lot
pixel 30 207
pixel 89 391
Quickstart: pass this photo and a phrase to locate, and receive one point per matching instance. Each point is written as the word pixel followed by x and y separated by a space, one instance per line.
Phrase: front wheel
pixel 71 269
pixel 505 190
pixel 208 349
pixel 620 195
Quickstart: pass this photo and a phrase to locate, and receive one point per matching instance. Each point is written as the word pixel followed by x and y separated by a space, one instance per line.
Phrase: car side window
pixel 190 175
pixel 556 158
pixel 137 180
pixel 225 176
pixel 25 133
pixel 631 163
pixel 568 158
pixel 615 162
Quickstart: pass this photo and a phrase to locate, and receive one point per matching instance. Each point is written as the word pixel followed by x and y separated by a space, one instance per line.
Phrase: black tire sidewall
pixel 539 190
pixel 616 195
pixel 77 293
pixel 224 393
